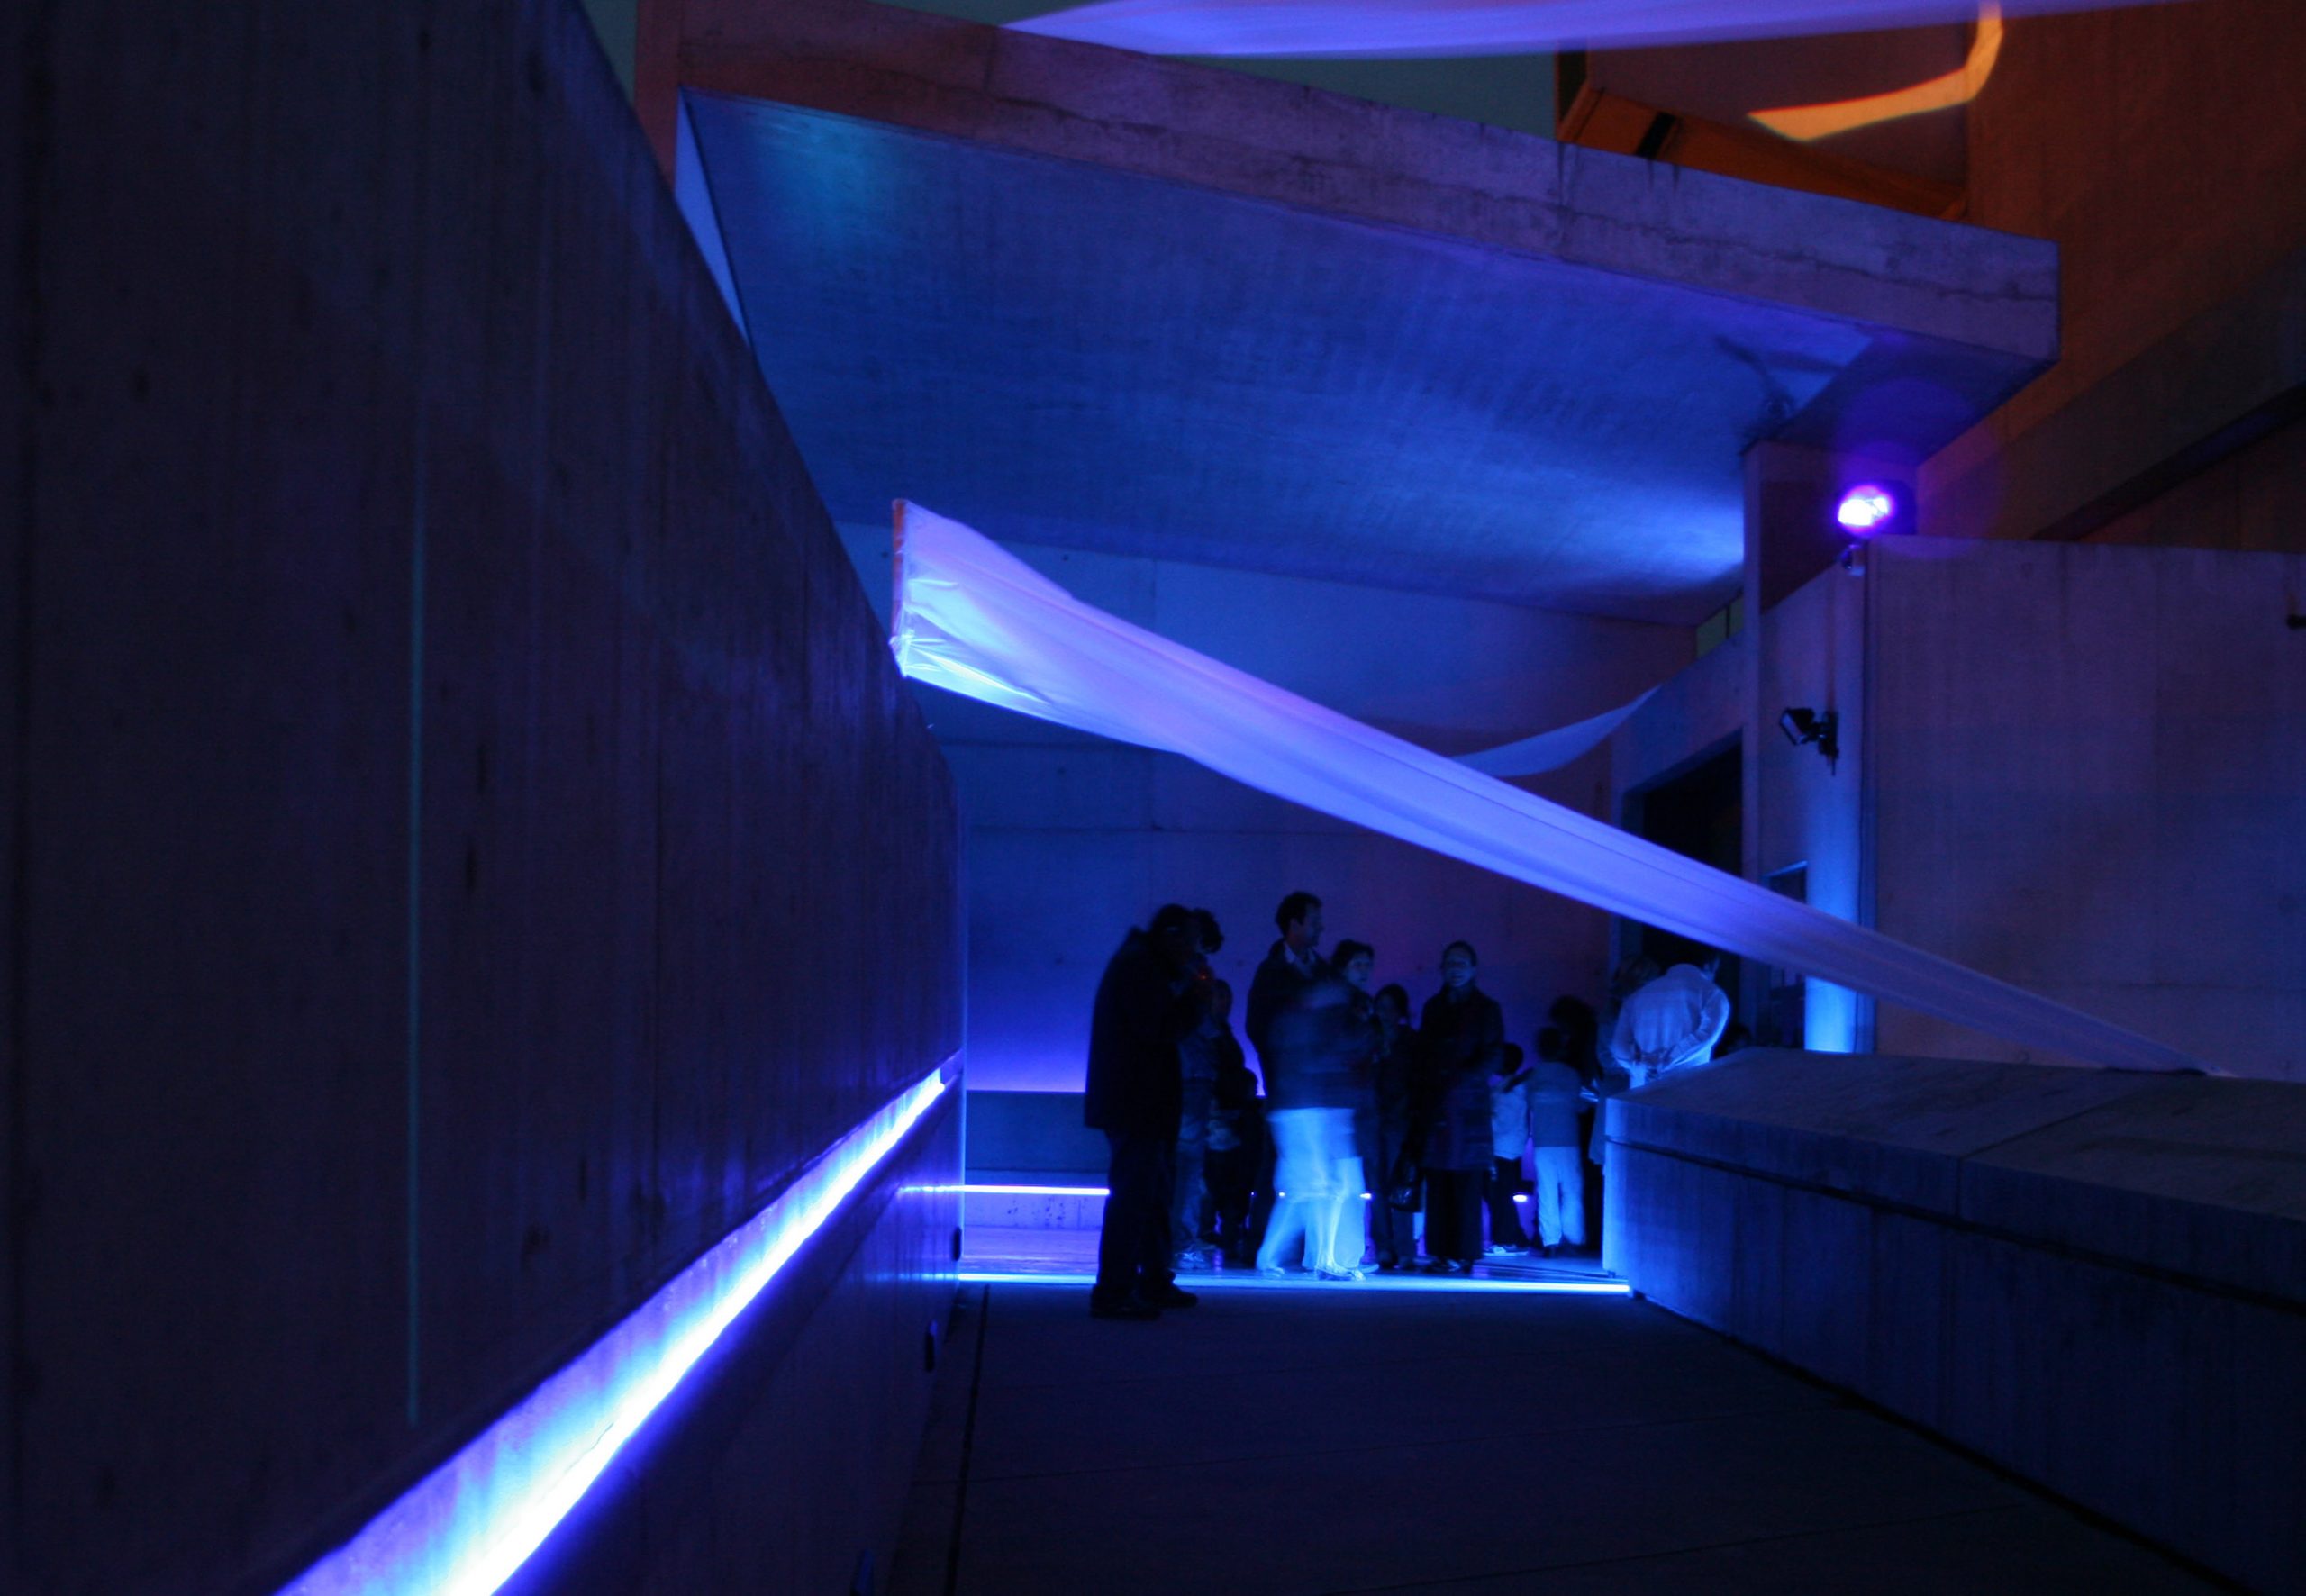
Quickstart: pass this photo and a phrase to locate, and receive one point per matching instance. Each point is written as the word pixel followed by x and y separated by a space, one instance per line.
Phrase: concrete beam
pixel 1363 162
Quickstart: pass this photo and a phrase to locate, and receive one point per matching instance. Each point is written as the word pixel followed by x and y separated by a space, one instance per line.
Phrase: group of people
pixel 1364 1120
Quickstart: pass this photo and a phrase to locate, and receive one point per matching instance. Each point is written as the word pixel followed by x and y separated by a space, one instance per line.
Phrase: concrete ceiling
pixel 1068 352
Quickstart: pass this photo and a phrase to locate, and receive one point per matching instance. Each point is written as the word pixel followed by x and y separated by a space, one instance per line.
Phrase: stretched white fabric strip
pixel 1412 28
pixel 1550 750
pixel 973 619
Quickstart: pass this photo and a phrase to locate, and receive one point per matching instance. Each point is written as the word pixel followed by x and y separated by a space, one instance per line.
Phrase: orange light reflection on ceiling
pixel 1808 122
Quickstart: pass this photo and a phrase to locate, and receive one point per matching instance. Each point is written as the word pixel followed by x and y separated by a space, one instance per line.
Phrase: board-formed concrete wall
pixel 2089 778
pixel 2096 1279
pixel 468 845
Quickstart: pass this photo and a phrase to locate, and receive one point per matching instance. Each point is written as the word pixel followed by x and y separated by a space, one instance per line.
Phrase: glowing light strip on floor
pixel 1077 1192
pixel 465 1527
pixel 1374 1283
pixel 1037 1191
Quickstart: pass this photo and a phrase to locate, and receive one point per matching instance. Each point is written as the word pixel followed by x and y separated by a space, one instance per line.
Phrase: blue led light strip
pixel 463 1528
pixel 1374 1283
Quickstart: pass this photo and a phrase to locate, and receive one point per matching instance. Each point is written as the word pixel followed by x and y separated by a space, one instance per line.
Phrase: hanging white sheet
pixel 1550 750
pixel 973 619
pixel 1410 28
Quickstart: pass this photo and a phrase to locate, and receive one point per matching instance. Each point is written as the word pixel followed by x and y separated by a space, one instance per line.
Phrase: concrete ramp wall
pixel 469 844
pixel 2095 1279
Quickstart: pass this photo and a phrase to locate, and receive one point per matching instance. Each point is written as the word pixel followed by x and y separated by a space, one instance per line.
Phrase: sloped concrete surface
pixel 1328 1441
pixel 2098 1281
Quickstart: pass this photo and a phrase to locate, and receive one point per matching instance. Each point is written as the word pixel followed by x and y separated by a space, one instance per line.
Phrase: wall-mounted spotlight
pixel 1875 509
pixel 1807 726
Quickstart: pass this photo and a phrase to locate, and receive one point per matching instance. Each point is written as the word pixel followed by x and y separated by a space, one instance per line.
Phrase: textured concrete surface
pixel 1035 1136
pixel 2089 777
pixel 471 843
pixel 2144 454
pixel 1400 349
pixel 2160 146
pixel 1301 1441
pixel 2093 1279
pixel 736 1484
pixel 2080 768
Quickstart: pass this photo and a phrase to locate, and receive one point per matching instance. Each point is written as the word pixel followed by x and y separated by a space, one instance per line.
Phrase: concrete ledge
pixel 2098 1281
pixel 1033 1138
pixel 1017 1210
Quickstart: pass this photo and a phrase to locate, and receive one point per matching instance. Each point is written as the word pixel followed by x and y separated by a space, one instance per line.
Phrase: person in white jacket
pixel 1671 1023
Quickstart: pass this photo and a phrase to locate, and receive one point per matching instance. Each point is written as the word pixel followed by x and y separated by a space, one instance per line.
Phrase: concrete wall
pixel 1813 653
pixel 2090 1277
pixel 2089 767
pixel 1812 812
pixel 1072 838
pixel 2160 147
pixel 470 845
pixel 2079 768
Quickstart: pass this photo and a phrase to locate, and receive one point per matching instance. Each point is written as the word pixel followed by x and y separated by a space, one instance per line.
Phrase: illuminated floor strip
pixel 1036 1191
pixel 1374 1283
pixel 1079 1192
pixel 464 1528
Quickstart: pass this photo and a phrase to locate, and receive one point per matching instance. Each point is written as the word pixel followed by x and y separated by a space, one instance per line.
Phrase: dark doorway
pixel 1698 812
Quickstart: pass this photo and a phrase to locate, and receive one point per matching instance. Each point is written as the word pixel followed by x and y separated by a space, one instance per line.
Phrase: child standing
pixel 1558 1171
pixel 1227 1160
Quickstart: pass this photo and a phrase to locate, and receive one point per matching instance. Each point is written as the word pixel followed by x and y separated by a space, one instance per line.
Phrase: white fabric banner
pixel 1412 28
pixel 1550 750
pixel 973 619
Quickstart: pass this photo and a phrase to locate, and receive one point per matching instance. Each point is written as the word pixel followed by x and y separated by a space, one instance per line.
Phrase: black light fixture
pixel 1807 726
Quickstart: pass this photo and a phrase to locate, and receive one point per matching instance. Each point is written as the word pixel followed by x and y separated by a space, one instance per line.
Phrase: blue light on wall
pixel 465 1527
pixel 1376 1283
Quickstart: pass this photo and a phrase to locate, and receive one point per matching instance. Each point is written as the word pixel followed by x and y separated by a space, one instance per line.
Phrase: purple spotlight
pixel 1869 508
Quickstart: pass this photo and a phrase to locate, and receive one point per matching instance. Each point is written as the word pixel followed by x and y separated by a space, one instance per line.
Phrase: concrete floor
pixel 1340 1438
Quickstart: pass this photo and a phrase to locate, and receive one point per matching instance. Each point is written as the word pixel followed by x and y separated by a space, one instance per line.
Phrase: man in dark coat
pixel 1292 966
pixel 1462 1037
pixel 1146 1003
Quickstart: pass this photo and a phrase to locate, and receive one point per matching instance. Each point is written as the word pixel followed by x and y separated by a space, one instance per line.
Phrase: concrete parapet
pixel 2096 1280
pixel 471 848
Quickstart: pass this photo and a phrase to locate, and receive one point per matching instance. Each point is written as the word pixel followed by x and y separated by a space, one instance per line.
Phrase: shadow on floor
pixel 1331 1438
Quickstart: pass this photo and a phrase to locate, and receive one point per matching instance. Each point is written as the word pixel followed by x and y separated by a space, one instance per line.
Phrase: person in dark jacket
pixel 1354 962
pixel 1237 1141
pixel 1208 1051
pixel 1147 1002
pixel 1462 1038
pixel 1395 1063
pixel 1293 964
pixel 1318 1042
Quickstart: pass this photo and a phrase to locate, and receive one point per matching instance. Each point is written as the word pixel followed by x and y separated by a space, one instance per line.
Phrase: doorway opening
pixel 1697 810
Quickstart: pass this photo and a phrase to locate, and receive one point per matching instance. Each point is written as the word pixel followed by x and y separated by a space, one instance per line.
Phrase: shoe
pixel 1452 1266
pixel 1272 1272
pixel 1345 1273
pixel 1173 1297
pixel 1496 1251
pixel 1129 1307
pixel 1193 1260
pixel 1389 1266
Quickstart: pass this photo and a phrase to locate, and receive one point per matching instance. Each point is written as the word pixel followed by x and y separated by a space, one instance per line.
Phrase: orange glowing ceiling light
pixel 1958 88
